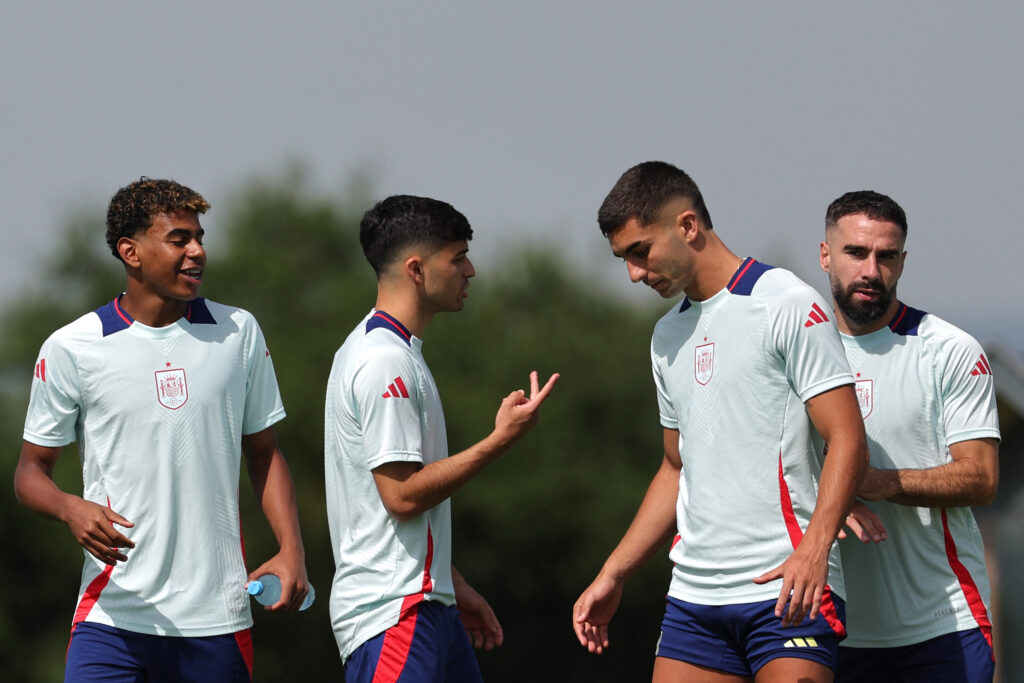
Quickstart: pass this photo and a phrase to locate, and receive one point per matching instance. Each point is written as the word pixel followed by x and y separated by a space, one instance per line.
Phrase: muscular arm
pixel 409 489
pixel 971 479
pixel 275 492
pixel 91 524
pixel 653 525
pixel 836 416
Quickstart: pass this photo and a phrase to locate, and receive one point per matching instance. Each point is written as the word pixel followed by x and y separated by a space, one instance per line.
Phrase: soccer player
pixel 396 600
pixel 918 603
pixel 746 368
pixel 163 391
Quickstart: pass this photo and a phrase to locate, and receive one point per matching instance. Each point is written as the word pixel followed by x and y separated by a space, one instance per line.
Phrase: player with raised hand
pixel 918 603
pixel 399 609
pixel 163 391
pixel 748 370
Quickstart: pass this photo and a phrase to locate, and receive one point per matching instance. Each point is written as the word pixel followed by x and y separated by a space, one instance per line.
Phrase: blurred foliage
pixel 531 531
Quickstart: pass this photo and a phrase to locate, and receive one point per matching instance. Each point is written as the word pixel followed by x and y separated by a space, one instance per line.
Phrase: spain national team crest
pixel 171 388
pixel 704 362
pixel 865 396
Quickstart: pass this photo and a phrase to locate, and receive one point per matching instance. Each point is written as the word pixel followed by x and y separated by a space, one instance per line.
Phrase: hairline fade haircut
pixel 133 207
pixel 401 221
pixel 643 191
pixel 874 205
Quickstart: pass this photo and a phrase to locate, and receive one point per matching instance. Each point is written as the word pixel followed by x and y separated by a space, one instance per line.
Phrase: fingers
pixel 534 385
pixel 543 393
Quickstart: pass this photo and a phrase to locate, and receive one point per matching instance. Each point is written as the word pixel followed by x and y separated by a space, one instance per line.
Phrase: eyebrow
pixel 628 250
pixel 182 232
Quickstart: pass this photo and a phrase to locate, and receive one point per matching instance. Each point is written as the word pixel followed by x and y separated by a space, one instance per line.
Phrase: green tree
pixel 530 532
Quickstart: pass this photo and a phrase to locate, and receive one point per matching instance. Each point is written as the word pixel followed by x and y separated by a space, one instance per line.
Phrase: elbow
pixel 987 490
pixel 402 510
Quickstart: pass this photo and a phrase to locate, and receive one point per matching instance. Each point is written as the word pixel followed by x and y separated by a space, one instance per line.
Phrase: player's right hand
pixel 593 612
pixel 518 413
pixel 93 527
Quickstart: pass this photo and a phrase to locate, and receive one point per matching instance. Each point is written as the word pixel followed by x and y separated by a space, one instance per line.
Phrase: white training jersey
pixel 382 406
pixel 158 414
pixel 923 385
pixel 732 374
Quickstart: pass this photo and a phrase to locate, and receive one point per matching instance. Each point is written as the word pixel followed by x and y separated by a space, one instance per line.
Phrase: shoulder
pixel 203 311
pixel 81 332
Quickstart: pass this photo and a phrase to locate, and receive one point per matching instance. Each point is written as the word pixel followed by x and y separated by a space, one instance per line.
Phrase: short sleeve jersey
pixel 158 414
pixel 923 385
pixel 732 374
pixel 382 406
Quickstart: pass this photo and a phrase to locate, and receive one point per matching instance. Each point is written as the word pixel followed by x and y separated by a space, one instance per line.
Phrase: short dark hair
pixel 874 205
pixel 133 207
pixel 643 191
pixel 401 221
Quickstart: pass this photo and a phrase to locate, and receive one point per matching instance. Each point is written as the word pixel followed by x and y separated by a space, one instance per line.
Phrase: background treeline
pixel 530 532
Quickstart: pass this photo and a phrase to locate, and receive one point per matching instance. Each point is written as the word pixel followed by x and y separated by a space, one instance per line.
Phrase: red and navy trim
pixel 906 320
pixel 742 281
pixel 115 318
pixel 746 276
pixel 388 322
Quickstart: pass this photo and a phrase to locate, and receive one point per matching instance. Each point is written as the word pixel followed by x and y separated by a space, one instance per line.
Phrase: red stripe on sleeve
pixel 983 360
pixel 817 308
pixel 401 387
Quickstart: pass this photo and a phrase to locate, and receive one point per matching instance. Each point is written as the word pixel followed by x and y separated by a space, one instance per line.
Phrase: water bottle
pixel 267 591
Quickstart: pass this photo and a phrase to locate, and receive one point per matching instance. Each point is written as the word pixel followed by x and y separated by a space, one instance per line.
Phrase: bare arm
pixel 836 416
pixel 410 489
pixel 652 527
pixel 971 479
pixel 91 524
pixel 275 492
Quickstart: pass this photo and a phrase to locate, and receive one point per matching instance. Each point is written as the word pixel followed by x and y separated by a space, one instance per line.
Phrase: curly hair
pixel 133 207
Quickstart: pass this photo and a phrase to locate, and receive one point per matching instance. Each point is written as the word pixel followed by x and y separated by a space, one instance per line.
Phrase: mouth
pixel 194 274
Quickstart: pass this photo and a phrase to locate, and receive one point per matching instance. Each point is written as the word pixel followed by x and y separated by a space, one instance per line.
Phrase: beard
pixel 862 312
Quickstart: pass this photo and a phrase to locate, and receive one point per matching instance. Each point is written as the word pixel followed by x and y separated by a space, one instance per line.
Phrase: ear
pixel 413 268
pixel 127 248
pixel 824 257
pixel 688 224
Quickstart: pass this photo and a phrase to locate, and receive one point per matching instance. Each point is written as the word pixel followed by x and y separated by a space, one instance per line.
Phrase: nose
pixel 870 268
pixel 468 270
pixel 636 273
pixel 196 251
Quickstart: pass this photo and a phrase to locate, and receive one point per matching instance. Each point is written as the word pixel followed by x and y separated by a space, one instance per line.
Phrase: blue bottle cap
pixel 255 588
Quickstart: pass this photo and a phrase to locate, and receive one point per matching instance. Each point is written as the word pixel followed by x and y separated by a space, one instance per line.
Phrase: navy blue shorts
pixel 427 645
pixel 740 639
pixel 964 657
pixel 98 652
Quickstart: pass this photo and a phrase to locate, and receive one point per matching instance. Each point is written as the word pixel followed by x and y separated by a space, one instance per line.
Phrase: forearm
pixel 408 493
pixel 970 479
pixel 841 476
pixel 275 493
pixel 951 485
pixel 34 486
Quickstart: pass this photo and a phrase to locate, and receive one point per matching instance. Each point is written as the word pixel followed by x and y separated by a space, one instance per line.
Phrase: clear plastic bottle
pixel 267 591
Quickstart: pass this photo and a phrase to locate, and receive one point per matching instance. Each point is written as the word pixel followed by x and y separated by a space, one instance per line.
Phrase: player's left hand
pixel 803 584
pixel 290 567
pixel 477 617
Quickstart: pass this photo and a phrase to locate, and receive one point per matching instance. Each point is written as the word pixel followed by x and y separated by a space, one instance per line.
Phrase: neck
pixel 403 310
pixel 713 267
pixel 150 309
